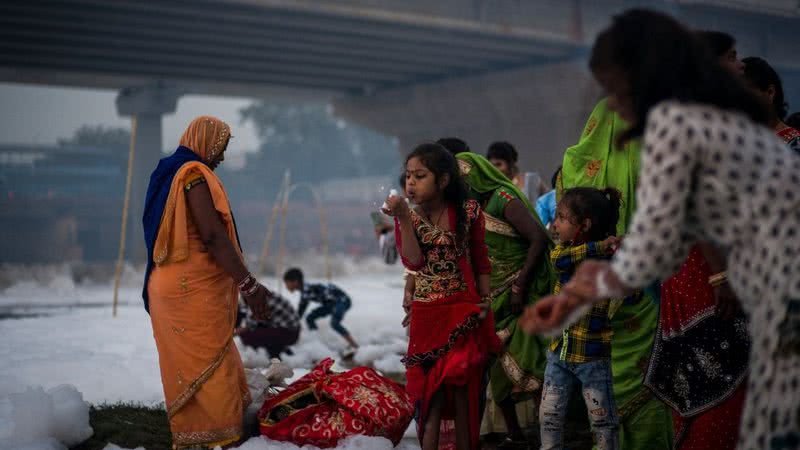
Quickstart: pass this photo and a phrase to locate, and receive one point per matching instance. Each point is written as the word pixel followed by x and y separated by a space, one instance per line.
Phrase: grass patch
pixel 128 425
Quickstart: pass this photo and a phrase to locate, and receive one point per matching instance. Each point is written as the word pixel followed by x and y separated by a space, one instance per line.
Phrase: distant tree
pixel 99 136
pixel 315 145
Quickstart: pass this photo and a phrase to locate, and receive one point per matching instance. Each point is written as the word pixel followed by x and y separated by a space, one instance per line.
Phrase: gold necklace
pixel 430 217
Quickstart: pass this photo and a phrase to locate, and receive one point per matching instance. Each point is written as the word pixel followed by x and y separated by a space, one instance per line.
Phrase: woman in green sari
pixel 521 273
pixel 596 161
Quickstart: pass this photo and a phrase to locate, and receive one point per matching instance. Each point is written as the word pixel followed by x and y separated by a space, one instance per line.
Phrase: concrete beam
pixel 541 110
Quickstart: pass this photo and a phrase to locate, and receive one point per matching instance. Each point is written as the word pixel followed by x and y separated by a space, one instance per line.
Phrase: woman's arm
pixel 406 238
pixel 408 292
pixel 656 244
pixel 479 254
pixel 727 303
pixel 215 237
pixel 518 216
pixel 213 233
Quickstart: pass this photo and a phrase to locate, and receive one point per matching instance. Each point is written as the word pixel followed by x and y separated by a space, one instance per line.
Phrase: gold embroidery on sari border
pixel 505 284
pixel 504 334
pixel 183 439
pixel 159 256
pixel 223 134
pixel 469 324
pixel 195 385
pixel 643 396
pixel 464 167
pixel 517 375
pixel 499 226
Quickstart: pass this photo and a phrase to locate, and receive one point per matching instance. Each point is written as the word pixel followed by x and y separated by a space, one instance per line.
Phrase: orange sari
pixel 193 305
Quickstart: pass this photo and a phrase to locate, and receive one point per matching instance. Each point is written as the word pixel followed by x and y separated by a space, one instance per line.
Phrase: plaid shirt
pixel 281 315
pixel 589 338
pixel 328 294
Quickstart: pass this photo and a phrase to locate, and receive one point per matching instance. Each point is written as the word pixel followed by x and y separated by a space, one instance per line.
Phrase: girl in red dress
pixel 441 242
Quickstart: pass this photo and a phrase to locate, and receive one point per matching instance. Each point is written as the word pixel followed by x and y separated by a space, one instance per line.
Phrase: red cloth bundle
pixel 323 407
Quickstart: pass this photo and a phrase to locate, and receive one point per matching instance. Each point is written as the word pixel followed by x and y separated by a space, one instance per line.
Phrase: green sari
pixel 520 367
pixel 596 161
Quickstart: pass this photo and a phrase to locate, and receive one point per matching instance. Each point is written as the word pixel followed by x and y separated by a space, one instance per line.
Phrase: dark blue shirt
pixel 327 294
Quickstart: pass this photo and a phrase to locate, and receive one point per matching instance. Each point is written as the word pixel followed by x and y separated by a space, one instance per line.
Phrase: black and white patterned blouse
pixel 713 175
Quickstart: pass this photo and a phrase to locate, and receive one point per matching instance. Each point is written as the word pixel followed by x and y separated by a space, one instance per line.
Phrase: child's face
pixel 421 183
pixel 503 166
pixel 565 226
pixel 292 285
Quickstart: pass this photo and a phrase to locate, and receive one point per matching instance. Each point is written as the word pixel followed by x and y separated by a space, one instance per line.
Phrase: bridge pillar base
pixel 147 104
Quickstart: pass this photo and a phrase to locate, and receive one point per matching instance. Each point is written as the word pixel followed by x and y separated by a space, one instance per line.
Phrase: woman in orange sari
pixel 194 275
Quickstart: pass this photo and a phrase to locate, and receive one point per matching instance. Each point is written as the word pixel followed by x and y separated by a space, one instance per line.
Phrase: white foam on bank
pixel 111 360
pixel 55 419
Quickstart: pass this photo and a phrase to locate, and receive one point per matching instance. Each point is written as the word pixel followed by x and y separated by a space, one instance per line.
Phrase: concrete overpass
pixel 415 69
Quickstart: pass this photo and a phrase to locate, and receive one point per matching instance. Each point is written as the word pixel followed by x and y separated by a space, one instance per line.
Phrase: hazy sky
pixel 42 115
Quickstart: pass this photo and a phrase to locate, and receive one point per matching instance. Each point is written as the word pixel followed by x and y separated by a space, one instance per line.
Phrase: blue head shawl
pixel 156 200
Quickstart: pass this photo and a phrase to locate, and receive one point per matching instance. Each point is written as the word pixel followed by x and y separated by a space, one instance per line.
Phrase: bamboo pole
pixel 276 207
pixel 282 232
pixel 323 231
pixel 124 225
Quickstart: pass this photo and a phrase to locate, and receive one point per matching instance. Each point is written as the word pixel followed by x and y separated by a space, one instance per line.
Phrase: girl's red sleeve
pixel 478 248
pixel 398 238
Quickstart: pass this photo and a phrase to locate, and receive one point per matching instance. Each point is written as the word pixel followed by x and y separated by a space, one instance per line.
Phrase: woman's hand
pixel 257 302
pixel 594 280
pixel 612 243
pixel 408 299
pixel 548 314
pixel 516 300
pixel 396 206
pixel 728 305
pixel 485 305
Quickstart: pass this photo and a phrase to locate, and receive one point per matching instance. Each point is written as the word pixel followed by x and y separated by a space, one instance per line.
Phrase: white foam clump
pixel 358 442
pixel 111 446
pixel 35 419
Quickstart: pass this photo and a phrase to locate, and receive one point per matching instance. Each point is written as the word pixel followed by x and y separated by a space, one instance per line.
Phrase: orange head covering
pixel 206 136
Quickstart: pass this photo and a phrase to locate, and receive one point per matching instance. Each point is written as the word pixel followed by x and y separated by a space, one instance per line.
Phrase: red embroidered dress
pixel 448 344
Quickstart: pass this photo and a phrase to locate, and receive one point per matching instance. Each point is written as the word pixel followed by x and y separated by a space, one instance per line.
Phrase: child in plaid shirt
pixel 584 225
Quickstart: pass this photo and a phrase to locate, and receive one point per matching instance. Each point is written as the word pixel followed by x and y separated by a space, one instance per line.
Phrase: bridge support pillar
pixel 145 105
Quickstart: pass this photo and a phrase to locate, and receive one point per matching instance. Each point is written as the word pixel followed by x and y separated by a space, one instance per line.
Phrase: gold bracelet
pixel 718 279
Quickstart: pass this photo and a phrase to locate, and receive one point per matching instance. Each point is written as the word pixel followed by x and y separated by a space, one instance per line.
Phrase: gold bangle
pixel 718 279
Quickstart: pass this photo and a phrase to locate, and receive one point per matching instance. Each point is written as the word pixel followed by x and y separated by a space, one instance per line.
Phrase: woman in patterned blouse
pixel 711 170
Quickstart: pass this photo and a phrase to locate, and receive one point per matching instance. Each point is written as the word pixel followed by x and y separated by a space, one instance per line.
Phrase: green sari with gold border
pixel 596 161
pixel 520 366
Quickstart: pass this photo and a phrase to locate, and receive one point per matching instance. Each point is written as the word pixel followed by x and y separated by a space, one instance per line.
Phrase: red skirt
pixel 688 326
pixel 323 407
pixel 448 346
pixel 717 428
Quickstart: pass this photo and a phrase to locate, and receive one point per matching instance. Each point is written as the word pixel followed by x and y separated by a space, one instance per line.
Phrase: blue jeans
pixel 336 312
pixel 560 378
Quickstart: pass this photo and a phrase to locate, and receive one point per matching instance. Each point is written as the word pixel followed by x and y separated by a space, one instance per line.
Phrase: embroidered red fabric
pixel 323 407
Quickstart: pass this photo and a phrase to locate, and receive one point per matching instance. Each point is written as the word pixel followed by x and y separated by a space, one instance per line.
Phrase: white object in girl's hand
pixel 392 193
